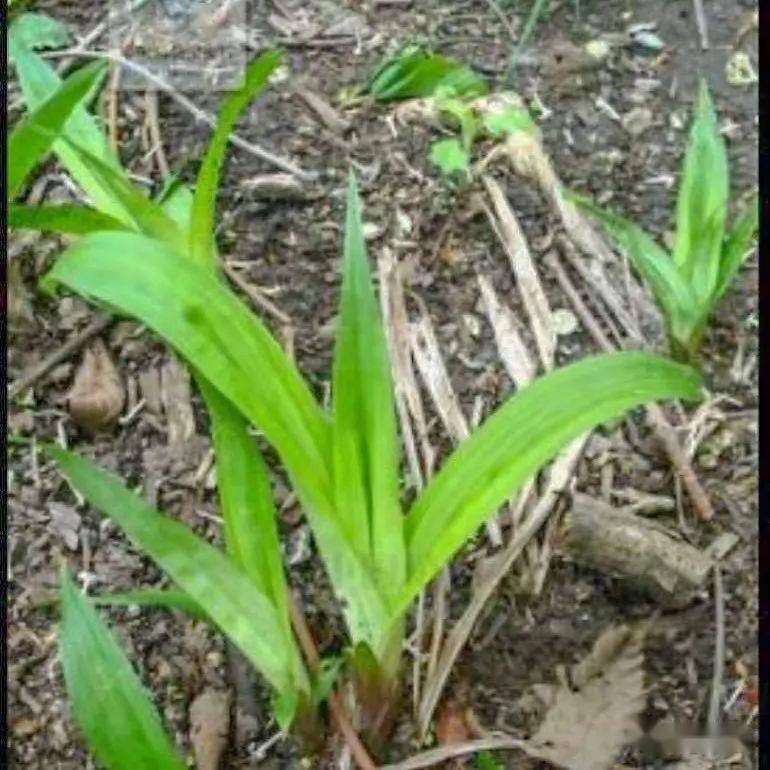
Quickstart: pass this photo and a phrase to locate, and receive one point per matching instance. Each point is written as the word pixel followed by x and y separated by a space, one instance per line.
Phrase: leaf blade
pixel 201 239
pixel 702 200
pixel 210 579
pixel 246 501
pixel 364 437
pixel 61 218
pixel 39 81
pixel 670 288
pixel 28 143
pixel 522 435
pixel 187 305
pixel 109 702
pixel 736 246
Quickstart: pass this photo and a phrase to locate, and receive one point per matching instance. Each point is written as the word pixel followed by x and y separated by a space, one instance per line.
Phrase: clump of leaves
pixel 414 72
pixel 453 94
pixel 158 264
pixel 688 283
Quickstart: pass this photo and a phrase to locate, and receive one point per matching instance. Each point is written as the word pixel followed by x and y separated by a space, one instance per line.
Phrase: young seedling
pixel 343 463
pixel 456 98
pixel 688 283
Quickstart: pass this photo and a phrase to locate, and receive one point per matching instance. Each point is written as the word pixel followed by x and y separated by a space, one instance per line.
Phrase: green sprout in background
pixel 688 283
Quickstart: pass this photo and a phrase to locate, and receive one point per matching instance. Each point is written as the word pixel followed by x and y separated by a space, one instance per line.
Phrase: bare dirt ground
pixel 627 155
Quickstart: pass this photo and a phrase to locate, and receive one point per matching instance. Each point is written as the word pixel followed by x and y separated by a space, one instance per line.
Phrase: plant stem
pixel 309 649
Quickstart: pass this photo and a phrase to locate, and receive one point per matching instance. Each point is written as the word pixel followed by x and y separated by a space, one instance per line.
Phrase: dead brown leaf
pixel 209 727
pixel 592 718
pixel 97 395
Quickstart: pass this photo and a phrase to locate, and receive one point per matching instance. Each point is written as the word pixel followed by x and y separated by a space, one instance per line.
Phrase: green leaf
pixel 36 30
pixel 204 202
pixel 176 200
pixel 153 597
pixel 64 218
pixel 39 81
pixel 284 708
pixel 324 679
pixel 145 215
pixel 209 578
pixel 522 435
pixel 33 137
pixel 485 760
pixel 421 73
pixel 702 201
pixel 671 290
pixel 246 501
pixel 364 437
pixel 464 114
pixel 449 156
pixel 737 246
pixel 187 305
pixel 110 704
pixel 508 120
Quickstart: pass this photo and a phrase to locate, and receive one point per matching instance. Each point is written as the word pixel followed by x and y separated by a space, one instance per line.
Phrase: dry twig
pixel 254 294
pixel 700 20
pixel 191 107
pixel 62 353
pixel 310 651
pixel 714 712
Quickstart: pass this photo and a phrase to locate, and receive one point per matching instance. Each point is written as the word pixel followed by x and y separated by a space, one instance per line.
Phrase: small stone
pixel 65 522
pixel 564 322
pixel 637 121
pixel 599 49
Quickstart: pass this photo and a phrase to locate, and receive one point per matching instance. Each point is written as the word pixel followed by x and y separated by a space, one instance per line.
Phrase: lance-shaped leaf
pixel 39 81
pixel 702 202
pixel 523 434
pixel 145 216
pixel 670 288
pixel 169 598
pixel 33 137
pixel 188 306
pixel 210 578
pixel 61 218
pixel 110 704
pixel 202 221
pixel 246 501
pixel 414 73
pixel 737 246
pixel 364 438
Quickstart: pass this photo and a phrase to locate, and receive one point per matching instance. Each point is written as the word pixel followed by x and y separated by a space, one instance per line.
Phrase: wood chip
pixel 209 727
pixel 641 552
pixel 97 395
pixel 513 352
pixel 527 279
pixel 327 114
pixel 177 403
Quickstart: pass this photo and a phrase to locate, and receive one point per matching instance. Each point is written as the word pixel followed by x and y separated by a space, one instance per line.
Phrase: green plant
pixel 689 282
pixel 33 136
pixel 161 269
pixel 414 72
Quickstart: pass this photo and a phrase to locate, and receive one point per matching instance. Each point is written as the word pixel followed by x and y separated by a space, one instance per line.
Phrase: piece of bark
pixel 644 554
pixel 209 727
pixel 97 395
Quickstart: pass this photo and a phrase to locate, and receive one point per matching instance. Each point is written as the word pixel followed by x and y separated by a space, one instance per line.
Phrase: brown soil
pixel 294 247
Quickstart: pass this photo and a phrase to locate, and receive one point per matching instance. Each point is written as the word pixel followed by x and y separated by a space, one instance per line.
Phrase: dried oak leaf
pixel 590 720
pixel 209 727
pixel 97 395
